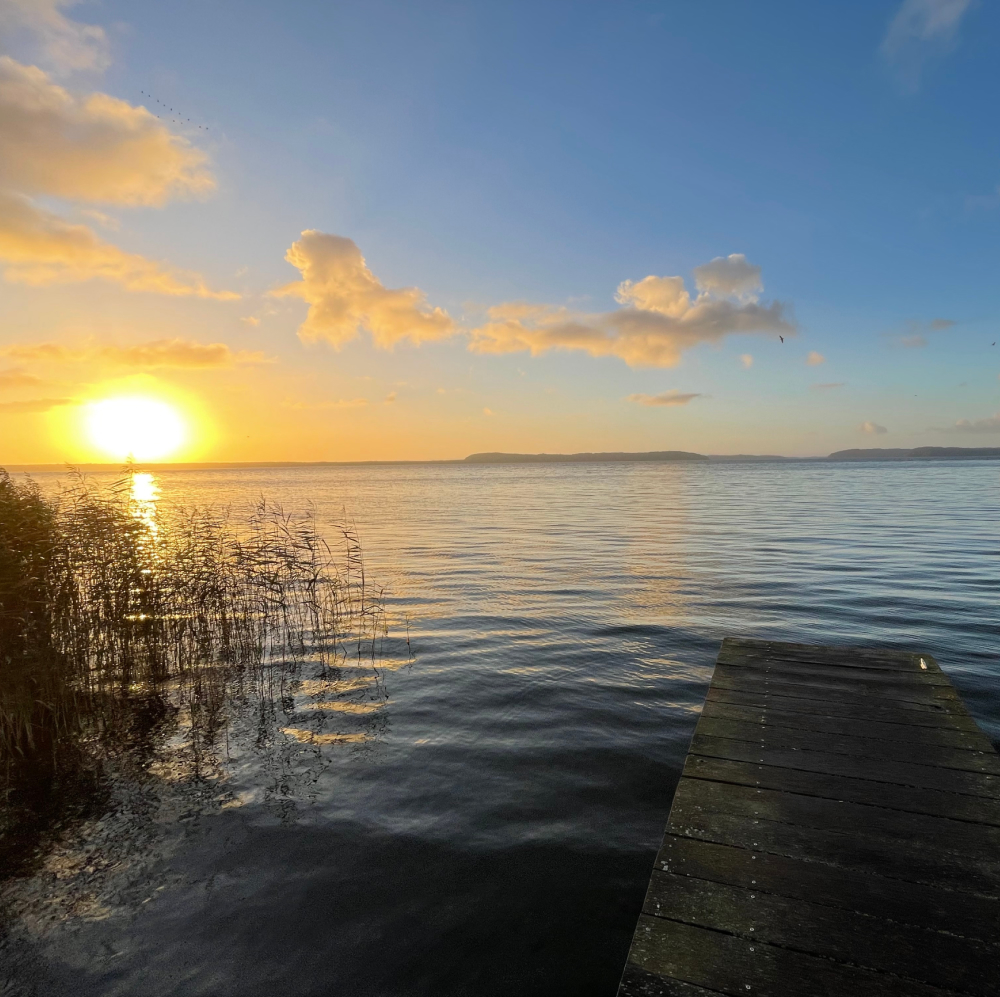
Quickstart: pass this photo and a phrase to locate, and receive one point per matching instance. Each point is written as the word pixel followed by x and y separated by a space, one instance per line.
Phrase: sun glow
pixel 135 426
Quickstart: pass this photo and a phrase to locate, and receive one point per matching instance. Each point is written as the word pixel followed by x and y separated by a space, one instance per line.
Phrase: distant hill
pixel 579 458
pixel 918 453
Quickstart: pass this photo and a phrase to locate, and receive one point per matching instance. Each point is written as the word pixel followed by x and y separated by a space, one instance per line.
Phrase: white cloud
pixel 67 45
pixel 658 319
pixel 815 359
pixel 921 31
pixel 345 297
pixel 991 424
pixel 747 360
pixel 672 397
pixel 872 429
pixel 729 276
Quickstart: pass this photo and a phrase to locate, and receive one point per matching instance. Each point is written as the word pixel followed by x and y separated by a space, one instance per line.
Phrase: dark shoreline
pixel 650 457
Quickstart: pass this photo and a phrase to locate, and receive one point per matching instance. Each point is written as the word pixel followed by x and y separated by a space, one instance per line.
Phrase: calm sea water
pixel 491 828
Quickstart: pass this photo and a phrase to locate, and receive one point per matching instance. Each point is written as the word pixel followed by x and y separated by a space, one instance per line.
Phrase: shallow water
pixel 488 823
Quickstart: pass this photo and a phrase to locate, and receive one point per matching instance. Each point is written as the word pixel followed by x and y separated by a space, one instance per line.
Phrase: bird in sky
pixel 782 338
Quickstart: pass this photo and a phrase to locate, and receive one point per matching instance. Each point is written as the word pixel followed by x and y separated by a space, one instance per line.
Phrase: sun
pixel 135 426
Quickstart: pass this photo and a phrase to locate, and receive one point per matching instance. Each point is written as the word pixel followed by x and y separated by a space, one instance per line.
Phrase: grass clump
pixel 106 602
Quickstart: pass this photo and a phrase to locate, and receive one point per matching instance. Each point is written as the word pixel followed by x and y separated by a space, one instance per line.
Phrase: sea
pixel 488 824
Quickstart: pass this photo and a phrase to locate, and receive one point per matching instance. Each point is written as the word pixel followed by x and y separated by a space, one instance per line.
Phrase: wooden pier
pixel 836 830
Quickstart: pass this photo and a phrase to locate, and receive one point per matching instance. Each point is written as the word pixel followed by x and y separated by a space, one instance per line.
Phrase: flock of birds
pixel 179 120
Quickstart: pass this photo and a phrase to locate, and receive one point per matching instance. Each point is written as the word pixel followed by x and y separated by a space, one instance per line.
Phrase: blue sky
pixel 496 153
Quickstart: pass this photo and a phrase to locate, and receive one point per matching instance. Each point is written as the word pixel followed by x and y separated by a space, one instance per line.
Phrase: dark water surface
pixel 489 827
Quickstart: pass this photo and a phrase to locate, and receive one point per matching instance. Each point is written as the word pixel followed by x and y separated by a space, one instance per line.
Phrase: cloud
pixel 90 147
pixel 250 320
pixel 828 385
pixel 180 353
pixel 672 397
pixel 747 360
pixel 815 359
pixel 487 412
pixel 40 248
pixel 67 45
pixel 16 378
pixel 390 398
pixel 34 405
pixel 345 297
pixel 989 425
pixel 340 403
pixel 658 319
pixel 921 31
pixel 872 429
pixel 729 276
pixel 917 332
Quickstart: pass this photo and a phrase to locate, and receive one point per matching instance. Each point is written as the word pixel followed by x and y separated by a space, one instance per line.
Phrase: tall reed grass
pixel 105 601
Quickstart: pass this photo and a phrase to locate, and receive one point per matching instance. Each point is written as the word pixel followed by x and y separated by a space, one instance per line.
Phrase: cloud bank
pixel 991 424
pixel 89 149
pixel 657 322
pixel 346 298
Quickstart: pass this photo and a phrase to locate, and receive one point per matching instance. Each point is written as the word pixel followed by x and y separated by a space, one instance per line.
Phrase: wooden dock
pixel 836 830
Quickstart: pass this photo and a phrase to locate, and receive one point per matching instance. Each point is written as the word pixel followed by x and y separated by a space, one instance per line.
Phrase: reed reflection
pixel 147 650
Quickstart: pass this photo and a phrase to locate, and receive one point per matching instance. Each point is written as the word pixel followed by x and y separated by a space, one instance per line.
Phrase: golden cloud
pixel 18 379
pixel 158 353
pixel 40 248
pixel 657 322
pixel 345 297
pixel 89 147
pixel 34 405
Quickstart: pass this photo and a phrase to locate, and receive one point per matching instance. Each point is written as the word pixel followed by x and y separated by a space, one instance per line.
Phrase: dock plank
pixel 836 829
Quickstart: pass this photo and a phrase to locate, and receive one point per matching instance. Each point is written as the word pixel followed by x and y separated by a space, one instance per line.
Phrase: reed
pixel 107 602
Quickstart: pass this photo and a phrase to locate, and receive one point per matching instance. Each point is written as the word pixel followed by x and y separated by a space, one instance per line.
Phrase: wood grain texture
pixel 836 830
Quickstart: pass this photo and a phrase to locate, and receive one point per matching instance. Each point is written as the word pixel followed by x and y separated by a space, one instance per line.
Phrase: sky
pixel 391 231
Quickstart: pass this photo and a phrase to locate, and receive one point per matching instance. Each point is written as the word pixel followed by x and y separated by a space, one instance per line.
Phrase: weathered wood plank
pixel 929 907
pixel 922 714
pixel 873 943
pixel 796 738
pixel 848 789
pixel 973 740
pixel 836 830
pixel 856 766
pixel 735 966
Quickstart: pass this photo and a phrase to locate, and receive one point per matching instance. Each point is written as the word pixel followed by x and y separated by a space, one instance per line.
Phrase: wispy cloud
pixel 181 353
pixel 657 322
pixel 991 424
pixel 16 378
pixel 828 385
pixel 872 429
pixel 390 398
pixel 915 337
pixel 747 360
pixel 672 397
pixel 34 405
pixel 345 297
pixel 815 359
pixel 921 31
pixel 340 403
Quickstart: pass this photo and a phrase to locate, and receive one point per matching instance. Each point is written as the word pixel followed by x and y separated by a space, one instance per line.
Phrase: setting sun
pixel 139 427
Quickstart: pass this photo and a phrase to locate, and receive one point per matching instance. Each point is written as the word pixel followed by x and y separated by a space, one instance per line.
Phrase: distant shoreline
pixel 614 457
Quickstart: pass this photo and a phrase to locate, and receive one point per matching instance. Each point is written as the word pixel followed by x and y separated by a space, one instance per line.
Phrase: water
pixel 491 827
